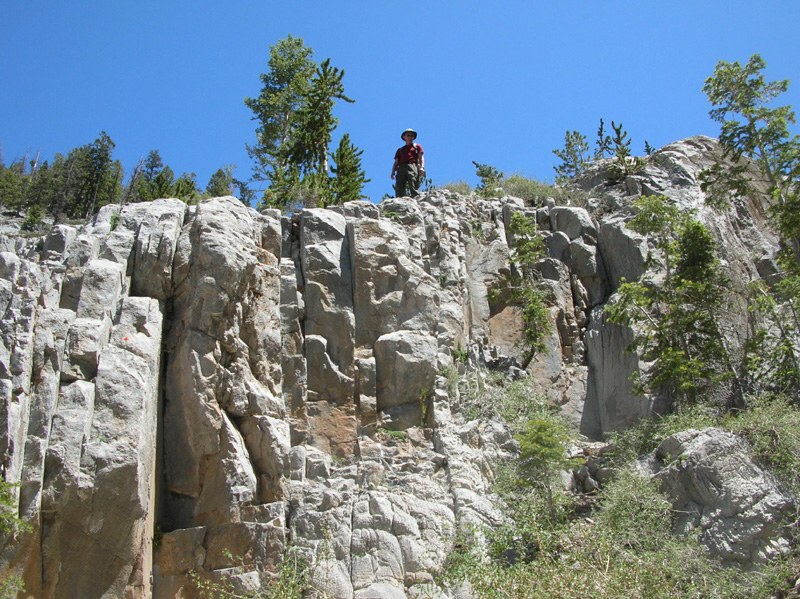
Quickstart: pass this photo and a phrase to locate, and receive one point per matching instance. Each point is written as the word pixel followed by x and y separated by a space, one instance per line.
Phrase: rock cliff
pixel 189 390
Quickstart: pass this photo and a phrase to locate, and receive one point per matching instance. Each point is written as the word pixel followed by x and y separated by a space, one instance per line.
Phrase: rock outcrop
pixel 188 391
pixel 719 490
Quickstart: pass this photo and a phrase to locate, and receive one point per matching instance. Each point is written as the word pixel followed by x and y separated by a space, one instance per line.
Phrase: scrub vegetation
pixel 618 541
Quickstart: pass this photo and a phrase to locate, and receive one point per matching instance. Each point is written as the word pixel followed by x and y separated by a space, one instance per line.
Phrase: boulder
pixel 719 490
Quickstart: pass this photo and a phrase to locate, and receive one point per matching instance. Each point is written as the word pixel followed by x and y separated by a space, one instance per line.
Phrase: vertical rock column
pixel 224 371
pixel 329 331
pixel 96 498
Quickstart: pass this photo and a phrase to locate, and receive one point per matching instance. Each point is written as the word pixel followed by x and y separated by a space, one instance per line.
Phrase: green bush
pixel 648 433
pixel 497 396
pixel 11 587
pixel 532 191
pixel 624 550
pixel 290 582
pixel 535 192
pixel 460 187
pixel 522 287
pixel 634 513
pixel 771 425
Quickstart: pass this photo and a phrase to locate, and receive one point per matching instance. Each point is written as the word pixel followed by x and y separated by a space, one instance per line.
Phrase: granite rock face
pixel 189 391
pixel 719 490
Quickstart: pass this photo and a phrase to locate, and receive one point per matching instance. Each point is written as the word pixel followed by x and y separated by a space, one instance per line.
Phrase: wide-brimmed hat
pixel 408 131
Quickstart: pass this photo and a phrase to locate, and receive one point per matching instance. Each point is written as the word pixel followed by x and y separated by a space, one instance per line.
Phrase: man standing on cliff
pixel 409 166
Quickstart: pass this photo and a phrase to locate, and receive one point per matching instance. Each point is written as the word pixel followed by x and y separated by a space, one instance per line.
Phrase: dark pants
pixel 406 181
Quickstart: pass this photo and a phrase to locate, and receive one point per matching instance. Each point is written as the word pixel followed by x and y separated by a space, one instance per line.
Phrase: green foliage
pixel 290 582
pixel 635 513
pixel 740 97
pixel 396 435
pixel 186 188
pixel 623 164
pixel 426 183
pixel 771 423
pixel 762 153
pixel 751 128
pixel 532 191
pixel 296 124
pixel 543 453
pixel 152 180
pixel 460 187
pixel 625 550
pixel 11 587
pixel 572 155
pixel 450 373
pixel 490 179
pixel 221 182
pixel 425 398
pixel 277 107
pixel 12 186
pixel 75 186
pixel 350 178
pixel 648 433
pixel 771 362
pixel 313 190
pixel 243 191
pixel 674 320
pixel 521 287
pixel 316 123
pixel 496 396
pixel 527 243
pixel 626 547
pixel 9 522
pixel 603 142
pixel 543 447
pixel 535 192
pixel 33 220
pixel 538 517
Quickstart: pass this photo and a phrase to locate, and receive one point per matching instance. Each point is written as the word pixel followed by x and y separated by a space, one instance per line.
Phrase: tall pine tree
pixel 296 124
pixel 284 89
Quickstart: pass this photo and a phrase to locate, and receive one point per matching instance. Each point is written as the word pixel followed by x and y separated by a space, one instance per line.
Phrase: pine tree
pixel 163 184
pixel 624 164
pixel 12 186
pixel 316 122
pixel 674 319
pixel 751 128
pixel 186 188
pixel 603 142
pixel 103 175
pixel 349 182
pixel 221 182
pixel 277 107
pixel 490 178
pixel 295 112
pixel 758 147
pixel 572 156
pixel 154 180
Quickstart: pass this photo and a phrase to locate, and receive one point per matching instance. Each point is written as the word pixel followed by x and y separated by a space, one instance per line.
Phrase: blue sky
pixel 494 82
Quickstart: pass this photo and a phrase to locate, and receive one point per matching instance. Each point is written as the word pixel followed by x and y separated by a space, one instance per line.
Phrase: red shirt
pixel 408 154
